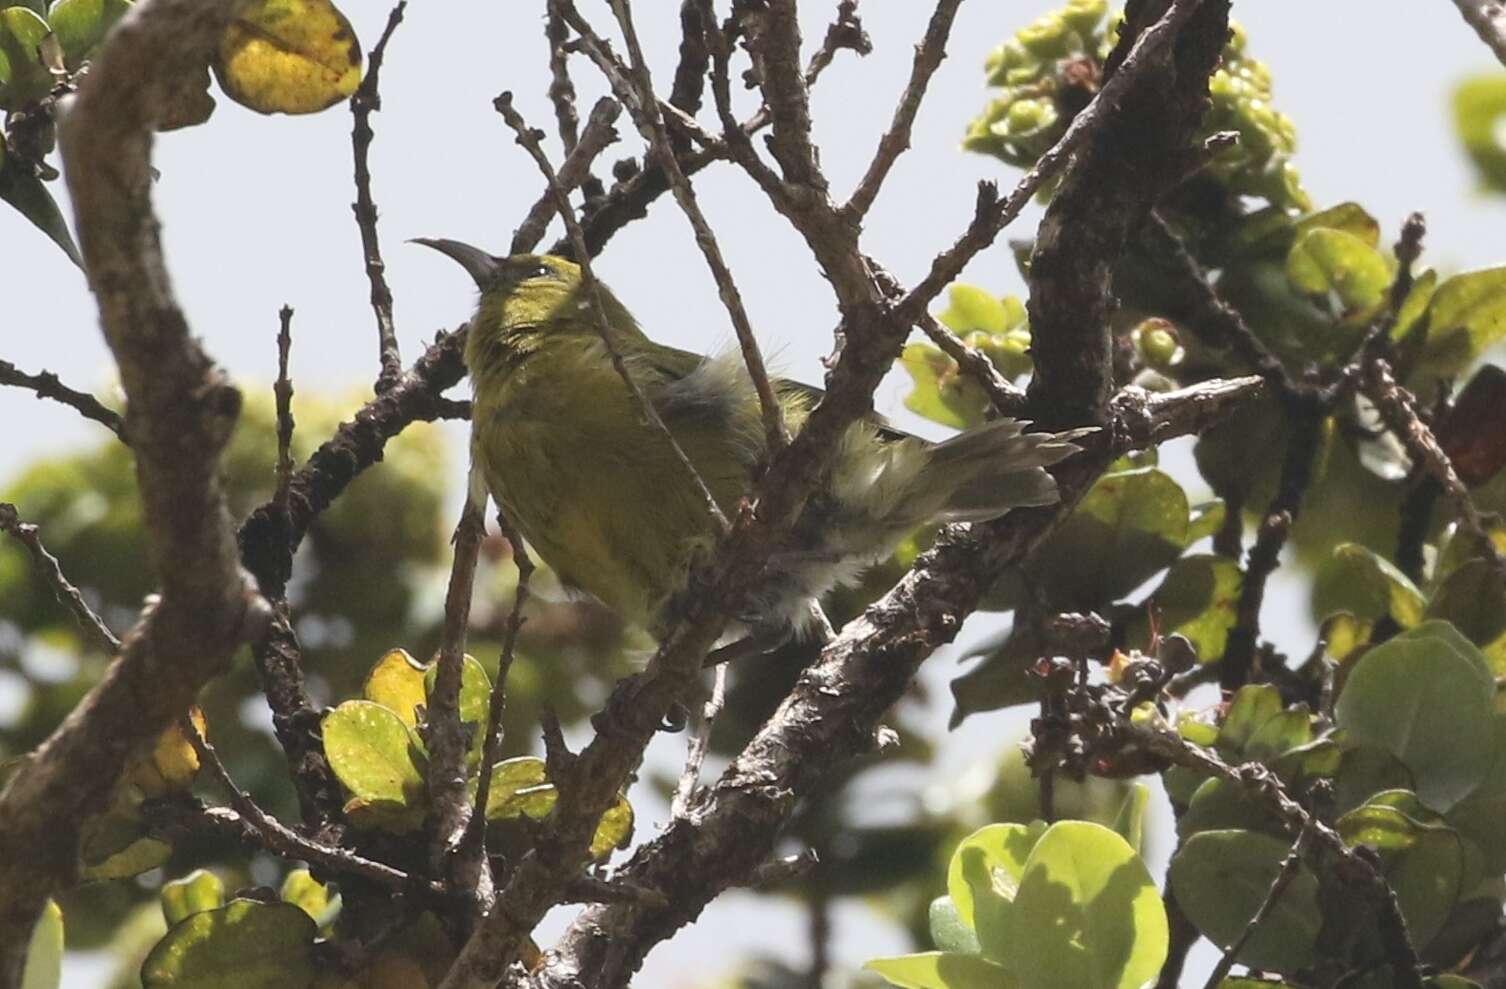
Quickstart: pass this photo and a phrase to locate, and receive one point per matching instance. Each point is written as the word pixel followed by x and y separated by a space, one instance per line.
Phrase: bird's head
pixel 526 301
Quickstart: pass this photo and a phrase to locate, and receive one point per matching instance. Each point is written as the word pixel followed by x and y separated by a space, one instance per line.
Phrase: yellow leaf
pixel 397 682
pixel 289 56
pixel 173 763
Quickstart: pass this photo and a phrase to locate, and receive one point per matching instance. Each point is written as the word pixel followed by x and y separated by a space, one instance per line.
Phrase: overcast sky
pixel 256 213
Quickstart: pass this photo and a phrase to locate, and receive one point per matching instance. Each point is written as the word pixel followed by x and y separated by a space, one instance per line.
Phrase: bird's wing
pixel 670 365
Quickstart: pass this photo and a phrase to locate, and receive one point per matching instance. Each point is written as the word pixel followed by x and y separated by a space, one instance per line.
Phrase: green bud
pixel 196 892
pixel 1084 16
pixel 1157 344
pixel 1048 37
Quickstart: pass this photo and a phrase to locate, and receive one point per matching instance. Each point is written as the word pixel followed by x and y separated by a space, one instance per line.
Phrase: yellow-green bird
pixel 599 492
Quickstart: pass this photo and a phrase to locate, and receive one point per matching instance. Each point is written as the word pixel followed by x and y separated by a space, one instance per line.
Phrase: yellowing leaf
pixel 397 682
pixel 174 761
pixel 289 56
pixel 44 956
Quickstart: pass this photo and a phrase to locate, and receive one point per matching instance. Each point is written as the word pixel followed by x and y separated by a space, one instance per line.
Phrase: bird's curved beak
pixel 481 266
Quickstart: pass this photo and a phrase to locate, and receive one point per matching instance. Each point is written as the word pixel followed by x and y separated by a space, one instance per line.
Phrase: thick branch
pixel 181 413
pixel 728 832
pixel 1488 18
pixel 1113 181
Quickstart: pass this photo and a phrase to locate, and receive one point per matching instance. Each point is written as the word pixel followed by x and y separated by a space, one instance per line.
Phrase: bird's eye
pixel 540 271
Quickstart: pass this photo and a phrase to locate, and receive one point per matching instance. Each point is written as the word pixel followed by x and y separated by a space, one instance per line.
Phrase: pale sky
pixel 256 213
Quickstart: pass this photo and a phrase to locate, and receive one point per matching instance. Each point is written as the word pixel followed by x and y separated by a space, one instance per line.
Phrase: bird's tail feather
pixel 999 466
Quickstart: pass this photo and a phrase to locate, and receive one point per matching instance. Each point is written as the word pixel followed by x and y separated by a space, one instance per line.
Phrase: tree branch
pixel 181 413
pixel 48 385
pixel 47 567
pixel 1488 18
pixel 599 133
pixel 365 100
pixel 728 834
pixel 896 140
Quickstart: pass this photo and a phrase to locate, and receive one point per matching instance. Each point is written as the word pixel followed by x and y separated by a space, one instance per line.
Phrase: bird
pixel 600 494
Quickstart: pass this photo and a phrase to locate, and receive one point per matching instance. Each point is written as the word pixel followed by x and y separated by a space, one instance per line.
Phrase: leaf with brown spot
pixel 289 56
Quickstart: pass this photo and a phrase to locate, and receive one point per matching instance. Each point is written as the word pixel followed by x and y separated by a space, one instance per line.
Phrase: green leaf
pixel 1367 585
pixel 1287 730
pixel 372 753
pixel 973 308
pixel 1130 821
pixel 245 944
pixel 984 876
pixel 23 77
pixel 521 787
pixel 475 698
pixel 941 392
pixel 1425 697
pixel 1087 915
pixel 80 25
pixel 397 682
pixel 196 892
pixel 1222 877
pixel 1467 315
pixel 44 952
pixel 1205 519
pixel 1221 805
pixel 30 197
pixel 1365 771
pixel 1473 600
pixel 1002 678
pixel 1198 598
pixel 941 970
pixel 1325 263
pixel 518 787
pixel 1271 232
pixel 311 896
pixel 948 932
pixel 1427 878
pixel 1415 306
pixel 1479 106
pixel 1479 815
pixel 1132 525
pixel 1253 705
pixel 289 56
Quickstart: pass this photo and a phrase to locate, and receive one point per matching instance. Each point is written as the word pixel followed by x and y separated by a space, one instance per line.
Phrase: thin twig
pixel 283 840
pixel 700 743
pixel 48 385
pixel 529 139
pixel 446 736
pixel 282 392
pixel 599 133
pixel 561 89
pixel 1288 871
pixel 645 112
pixel 474 843
pixel 365 100
pixel 1008 399
pixel 47 567
pixel 1220 323
pixel 1398 409
pixel 845 31
pixel 1488 18
pixel 896 140
pixel 1304 434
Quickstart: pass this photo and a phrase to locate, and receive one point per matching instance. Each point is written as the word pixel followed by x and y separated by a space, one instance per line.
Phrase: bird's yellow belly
pixel 604 512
